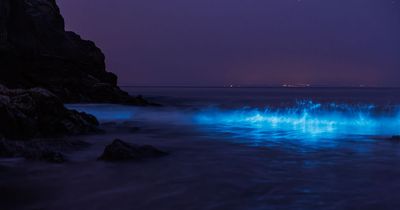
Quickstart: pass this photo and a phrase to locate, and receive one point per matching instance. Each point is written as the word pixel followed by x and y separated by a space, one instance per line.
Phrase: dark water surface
pixel 250 148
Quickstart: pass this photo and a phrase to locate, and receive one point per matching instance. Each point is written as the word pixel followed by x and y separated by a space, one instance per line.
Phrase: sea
pixel 233 148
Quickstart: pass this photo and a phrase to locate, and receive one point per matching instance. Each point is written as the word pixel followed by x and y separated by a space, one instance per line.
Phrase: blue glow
pixel 307 120
pixel 105 112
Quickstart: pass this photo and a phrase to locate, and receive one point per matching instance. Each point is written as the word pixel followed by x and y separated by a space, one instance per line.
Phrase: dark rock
pixel 36 51
pixel 134 129
pixel 31 151
pixel 395 138
pixel 119 151
pixel 60 144
pixel 39 113
pixel 6 150
pixel 45 155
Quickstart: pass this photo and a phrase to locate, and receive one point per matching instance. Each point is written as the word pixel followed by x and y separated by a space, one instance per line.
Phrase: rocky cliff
pixel 36 51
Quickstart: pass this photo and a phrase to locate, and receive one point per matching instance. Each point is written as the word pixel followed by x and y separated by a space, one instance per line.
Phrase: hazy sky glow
pixel 247 42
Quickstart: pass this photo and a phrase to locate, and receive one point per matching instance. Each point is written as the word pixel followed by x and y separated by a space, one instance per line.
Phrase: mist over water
pixel 231 148
pixel 304 118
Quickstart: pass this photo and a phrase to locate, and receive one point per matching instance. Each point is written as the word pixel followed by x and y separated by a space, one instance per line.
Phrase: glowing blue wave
pixel 306 120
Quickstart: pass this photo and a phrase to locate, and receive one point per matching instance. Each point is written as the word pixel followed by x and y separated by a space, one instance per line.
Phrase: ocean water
pixel 305 117
pixel 278 148
pixel 230 148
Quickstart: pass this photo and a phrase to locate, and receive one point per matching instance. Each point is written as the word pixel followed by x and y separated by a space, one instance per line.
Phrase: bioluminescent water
pixel 231 148
pixel 305 122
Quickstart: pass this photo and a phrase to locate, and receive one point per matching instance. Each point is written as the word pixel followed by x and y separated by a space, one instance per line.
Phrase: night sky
pixel 243 42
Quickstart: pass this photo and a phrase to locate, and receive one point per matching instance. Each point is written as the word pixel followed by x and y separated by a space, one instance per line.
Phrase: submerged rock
pixel 37 51
pixel 31 151
pixel 7 150
pixel 119 151
pixel 38 113
pixel 395 138
pixel 134 129
pixel 45 155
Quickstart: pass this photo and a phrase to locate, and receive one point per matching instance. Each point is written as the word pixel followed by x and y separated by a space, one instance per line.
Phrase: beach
pixel 209 166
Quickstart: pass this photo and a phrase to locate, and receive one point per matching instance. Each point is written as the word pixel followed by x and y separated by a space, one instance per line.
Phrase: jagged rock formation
pixel 49 150
pixel 36 51
pixel 38 113
pixel 121 151
pixel 30 151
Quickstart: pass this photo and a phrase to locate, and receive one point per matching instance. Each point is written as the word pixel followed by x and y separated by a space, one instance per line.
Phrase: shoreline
pixel 200 173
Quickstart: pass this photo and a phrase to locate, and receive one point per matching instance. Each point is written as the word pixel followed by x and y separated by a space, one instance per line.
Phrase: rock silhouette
pixel 119 150
pixel 36 51
pixel 39 113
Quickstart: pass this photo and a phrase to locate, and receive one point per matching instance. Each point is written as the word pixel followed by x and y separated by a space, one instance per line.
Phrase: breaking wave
pixel 306 120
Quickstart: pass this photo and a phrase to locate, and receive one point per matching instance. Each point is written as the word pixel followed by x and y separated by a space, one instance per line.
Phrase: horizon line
pixel 249 86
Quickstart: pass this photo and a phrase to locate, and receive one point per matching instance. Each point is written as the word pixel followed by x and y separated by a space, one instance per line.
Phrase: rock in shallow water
pixel 38 113
pixel 119 150
pixel 30 151
pixel 46 155
pixel 395 138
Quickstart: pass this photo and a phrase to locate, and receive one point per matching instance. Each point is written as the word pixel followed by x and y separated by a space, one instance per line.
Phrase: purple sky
pixel 246 42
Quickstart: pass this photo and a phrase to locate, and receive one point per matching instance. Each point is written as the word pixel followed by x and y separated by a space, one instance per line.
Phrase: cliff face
pixel 36 51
